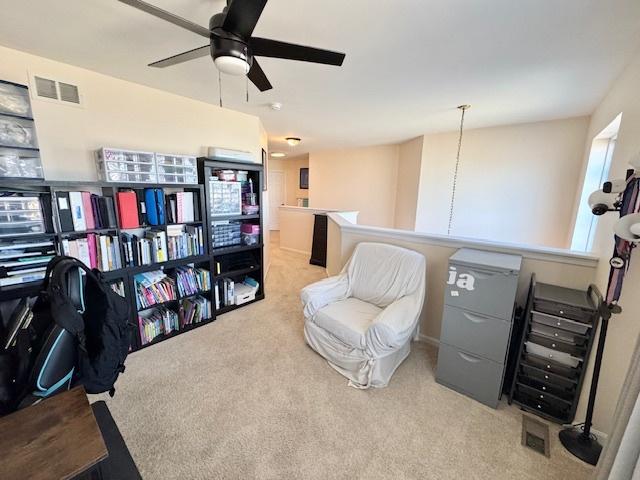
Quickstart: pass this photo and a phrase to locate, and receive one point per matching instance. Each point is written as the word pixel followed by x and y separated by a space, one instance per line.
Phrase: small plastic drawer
pixel 562 393
pixel 547 405
pixel 131 156
pixel 225 198
pixel 548 353
pixel 559 322
pixel 131 177
pixel 17 163
pixel 14 100
pixel 176 160
pixel 177 178
pixel 17 132
pixel 10 204
pixel 549 365
pixel 127 167
pixel 557 345
pixel 562 310
pixel 20 216
pixel 547 377
pixel 558 334
pixel 16 228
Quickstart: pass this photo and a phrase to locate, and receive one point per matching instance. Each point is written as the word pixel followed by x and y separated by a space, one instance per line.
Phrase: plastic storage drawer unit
pixel 176 168
pixel 127 166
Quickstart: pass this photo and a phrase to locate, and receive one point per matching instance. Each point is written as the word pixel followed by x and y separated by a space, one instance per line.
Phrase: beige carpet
pixel 245 398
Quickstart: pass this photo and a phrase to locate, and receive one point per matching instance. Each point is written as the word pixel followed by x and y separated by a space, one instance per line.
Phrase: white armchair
pixel 362 320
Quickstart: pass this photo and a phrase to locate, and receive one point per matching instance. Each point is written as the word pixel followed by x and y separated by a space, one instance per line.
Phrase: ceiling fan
pixel 230 42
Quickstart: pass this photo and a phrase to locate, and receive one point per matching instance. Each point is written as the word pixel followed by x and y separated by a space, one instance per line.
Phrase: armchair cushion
pixel 348 320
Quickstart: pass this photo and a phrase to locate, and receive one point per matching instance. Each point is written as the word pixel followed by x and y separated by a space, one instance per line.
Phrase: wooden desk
pixel 55 439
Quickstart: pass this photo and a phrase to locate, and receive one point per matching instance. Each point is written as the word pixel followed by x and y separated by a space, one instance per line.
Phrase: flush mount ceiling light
pixel 293 141
pixel 232 65
pixel 278 154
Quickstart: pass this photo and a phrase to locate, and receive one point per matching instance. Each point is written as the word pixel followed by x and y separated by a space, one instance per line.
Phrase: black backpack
pixel 80 334
pixel 102 328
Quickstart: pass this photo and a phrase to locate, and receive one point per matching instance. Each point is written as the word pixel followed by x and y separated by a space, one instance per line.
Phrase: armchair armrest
pixel 322 293
pixel 394 325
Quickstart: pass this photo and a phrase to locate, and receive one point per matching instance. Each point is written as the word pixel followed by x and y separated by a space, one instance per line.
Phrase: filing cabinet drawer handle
pixel 468 358
pixel 480 275
pixel 474 318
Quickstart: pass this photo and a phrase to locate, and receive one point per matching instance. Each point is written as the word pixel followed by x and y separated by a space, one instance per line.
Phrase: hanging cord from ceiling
pixel 246 77
pixel 463 108
pixel 220 88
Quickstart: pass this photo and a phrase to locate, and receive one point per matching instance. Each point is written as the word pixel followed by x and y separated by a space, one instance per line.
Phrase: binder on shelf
pixel 154 201
pixel 142 207
pixel 87 208
pixel 64 212
pixel 110 209
pixel 77 211
pixel 128 209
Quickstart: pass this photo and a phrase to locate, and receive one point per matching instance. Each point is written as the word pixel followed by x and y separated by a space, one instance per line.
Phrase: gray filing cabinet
pixel 476 322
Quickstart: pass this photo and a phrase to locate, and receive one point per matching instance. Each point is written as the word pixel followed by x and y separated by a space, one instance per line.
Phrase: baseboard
pixel 427 339
pixel 295 250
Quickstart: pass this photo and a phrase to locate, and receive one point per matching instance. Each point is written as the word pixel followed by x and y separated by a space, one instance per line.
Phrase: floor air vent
pixel 535 435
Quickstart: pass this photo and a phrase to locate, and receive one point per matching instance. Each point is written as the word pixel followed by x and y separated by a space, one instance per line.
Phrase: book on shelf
pixel 183 207
pixel 194 310
pixel 191 280
pixel 185 241
pixel 95 251
pixel 156 322
pixel 81 211
pixel 24 261
pixel 128 209
pixel 154 287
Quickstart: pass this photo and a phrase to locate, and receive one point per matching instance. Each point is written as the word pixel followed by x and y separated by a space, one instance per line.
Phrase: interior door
pixel 276 198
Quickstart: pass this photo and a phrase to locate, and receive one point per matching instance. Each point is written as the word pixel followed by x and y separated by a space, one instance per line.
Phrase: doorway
pixel 276 198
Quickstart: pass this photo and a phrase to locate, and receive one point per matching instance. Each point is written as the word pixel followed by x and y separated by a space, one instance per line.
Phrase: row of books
pixel 156 322
pixel 154 287
pixel 150 206
pixel 80 211
pixel 228 292
pixel 24 261
pixel 185 241
pixel 95 251
pixel 195 310
pixel 192 280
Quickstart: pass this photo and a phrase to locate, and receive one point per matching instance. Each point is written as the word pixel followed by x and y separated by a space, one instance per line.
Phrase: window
pixel 597 172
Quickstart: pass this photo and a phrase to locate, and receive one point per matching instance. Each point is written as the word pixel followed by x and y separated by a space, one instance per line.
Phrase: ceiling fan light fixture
pixel 278 154
pixel 293 141
pixel 231 65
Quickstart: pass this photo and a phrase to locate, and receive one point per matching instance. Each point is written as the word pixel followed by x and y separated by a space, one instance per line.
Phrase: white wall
pixel 409 165
pixel 361 179
pixel 516 183
pixel 624 329
pixel 291 169
pixel 118 113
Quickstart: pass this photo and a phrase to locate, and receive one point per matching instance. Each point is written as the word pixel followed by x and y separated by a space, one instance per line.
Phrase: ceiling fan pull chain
pixel 246 77
pixel 455 172
pixel 220 88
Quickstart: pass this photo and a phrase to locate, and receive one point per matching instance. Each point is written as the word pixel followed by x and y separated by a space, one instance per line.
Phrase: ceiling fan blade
pixel 182 57
pixel 264 47
pixel 168 16
pixel 257 76
pixel 242 16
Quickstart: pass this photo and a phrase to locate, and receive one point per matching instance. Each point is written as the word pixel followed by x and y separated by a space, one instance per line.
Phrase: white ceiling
pixel 409 62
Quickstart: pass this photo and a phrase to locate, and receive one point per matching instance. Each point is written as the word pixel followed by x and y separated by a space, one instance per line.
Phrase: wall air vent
pixel 46 88
pixel 56 91
pixel 69 93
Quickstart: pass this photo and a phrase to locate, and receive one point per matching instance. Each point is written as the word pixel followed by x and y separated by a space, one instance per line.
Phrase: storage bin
pixel 559 322
pixel 18 163
pixel 557 345
pixel 17 132
pixel 548 353
pixel 548 377
pixel 562 393
pixel 548 405
pixel 564 302
pixel 225 198
pixel 14 100
pixel 250 238
pixel 250 228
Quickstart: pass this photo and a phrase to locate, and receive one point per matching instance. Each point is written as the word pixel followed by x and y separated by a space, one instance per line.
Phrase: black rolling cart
pixel 557 338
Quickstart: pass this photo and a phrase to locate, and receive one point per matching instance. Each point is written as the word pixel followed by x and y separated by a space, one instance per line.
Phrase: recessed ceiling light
pixel 278 154
pixel 293 141
pixel 275 106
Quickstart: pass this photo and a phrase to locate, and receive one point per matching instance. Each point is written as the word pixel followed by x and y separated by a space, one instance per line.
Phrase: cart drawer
pixel 557 345
pixel 549 365
pixel 547 376
pixel 476 333
pixel 544 352
pixel 555 410
pixel 562 393
pixel 475 376
pixel 559 322
pixel 561 310
pixel 554 333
